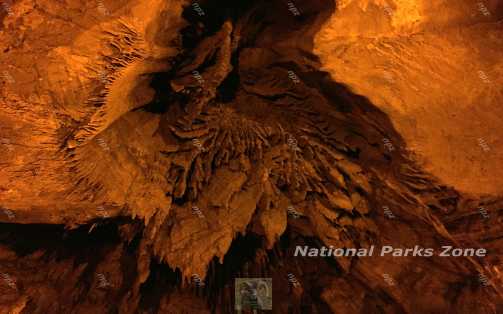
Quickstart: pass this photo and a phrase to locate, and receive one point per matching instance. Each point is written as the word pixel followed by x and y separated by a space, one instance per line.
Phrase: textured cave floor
pixel 268 143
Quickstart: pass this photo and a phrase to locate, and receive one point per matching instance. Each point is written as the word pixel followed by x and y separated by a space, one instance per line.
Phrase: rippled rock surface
pixel 152 152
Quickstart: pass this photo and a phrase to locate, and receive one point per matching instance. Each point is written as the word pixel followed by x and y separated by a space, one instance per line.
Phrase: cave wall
pixel 435 68
pixel 146 142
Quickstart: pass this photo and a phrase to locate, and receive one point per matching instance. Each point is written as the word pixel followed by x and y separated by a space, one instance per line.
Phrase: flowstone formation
pixel 154 152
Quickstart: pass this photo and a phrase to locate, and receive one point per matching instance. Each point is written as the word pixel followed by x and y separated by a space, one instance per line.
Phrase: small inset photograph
pixel 253 294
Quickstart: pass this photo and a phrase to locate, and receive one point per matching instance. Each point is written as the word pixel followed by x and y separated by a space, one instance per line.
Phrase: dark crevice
pixel 59 242
pixel 162 280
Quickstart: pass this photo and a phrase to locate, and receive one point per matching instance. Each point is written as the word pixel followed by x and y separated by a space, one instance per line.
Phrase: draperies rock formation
pixel 153 151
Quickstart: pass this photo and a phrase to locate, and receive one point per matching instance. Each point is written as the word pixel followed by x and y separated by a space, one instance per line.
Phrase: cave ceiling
pixel 154 153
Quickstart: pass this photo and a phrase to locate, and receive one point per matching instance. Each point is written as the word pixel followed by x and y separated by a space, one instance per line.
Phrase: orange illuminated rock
pixel 155 151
